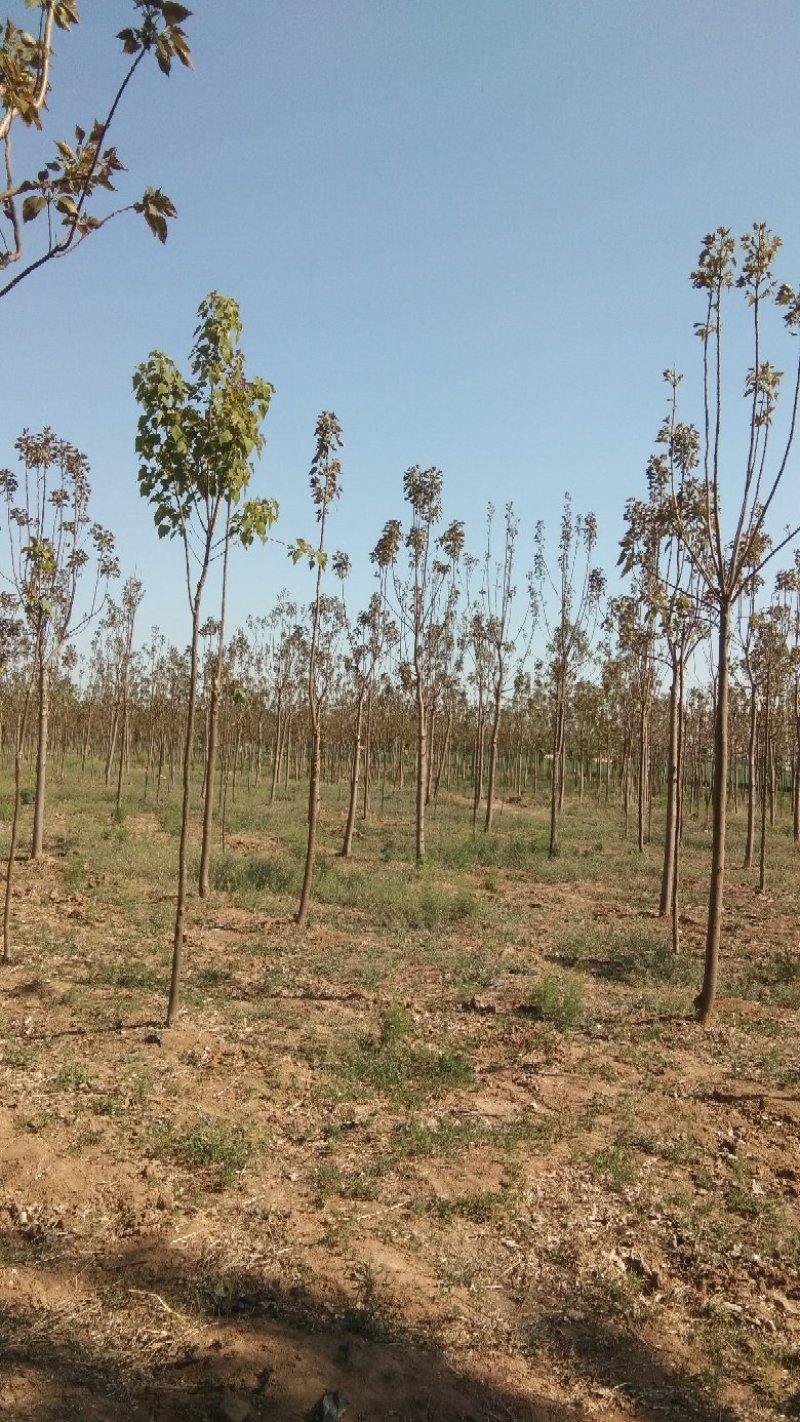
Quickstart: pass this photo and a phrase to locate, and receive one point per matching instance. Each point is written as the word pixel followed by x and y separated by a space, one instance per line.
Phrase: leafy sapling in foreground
pixel 196 439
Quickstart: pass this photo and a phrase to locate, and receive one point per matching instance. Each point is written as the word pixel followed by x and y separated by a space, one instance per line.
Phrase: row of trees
pixel 437 648
pixel 694 570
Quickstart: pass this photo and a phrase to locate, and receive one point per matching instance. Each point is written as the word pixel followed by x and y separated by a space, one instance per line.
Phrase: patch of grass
pixel 389 1065
pixel 614 1165
pixel 206 1143
pixel 109 1106
pixel 446 1136
pixel 15 1056
pixel 482 1207
pixel 128 975
pixel 244 878
pixel 774 980
pixel 558 999
pixel 75 875
pixel 210 977
pixel 369 1317
pixel 70 1077
pixel 328 1180
pixel 436 909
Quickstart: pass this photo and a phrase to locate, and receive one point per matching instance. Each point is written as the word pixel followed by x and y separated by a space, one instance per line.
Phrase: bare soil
pixel 385 1161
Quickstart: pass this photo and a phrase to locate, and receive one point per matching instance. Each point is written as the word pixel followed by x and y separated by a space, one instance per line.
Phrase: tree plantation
pixel 442 869
pixel 399 988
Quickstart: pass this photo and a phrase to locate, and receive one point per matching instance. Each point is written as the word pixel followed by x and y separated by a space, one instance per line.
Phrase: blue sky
pixel 466 228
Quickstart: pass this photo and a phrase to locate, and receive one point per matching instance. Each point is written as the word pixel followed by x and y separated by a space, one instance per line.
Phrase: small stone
pixel 331 1406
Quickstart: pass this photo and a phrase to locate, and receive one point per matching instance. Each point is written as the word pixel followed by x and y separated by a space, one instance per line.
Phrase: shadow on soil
pixel 194 1345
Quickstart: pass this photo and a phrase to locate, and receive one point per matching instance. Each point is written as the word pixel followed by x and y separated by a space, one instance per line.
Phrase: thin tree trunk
pixel 213 726
pixel 706 998
pixel 347 847
pixel 490 782
pixel 12 849
pixel 313 816
pixel 762 848
pixel 751 783
pixel 557 772
pixel 671 828
pixel 41 760
pixel 422 771
pixel 183 844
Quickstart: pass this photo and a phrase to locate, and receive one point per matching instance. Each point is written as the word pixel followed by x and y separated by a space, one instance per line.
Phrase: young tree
pixel 770 653
pixel 196 439
pixel 62 192
pixel 367 639
pixel 728 556
pixel 667 592
pixel 325 480
pixel 577 594
pixel 426 607
pixel 52 541
pixel 111 663
pixel 499 593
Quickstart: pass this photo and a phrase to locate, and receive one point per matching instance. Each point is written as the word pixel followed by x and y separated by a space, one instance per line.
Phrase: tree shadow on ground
pixel 148 1334
pixel 193 1344
pixel 610 1356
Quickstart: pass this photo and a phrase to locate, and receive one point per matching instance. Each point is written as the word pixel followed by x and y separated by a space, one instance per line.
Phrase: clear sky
pixel 466 228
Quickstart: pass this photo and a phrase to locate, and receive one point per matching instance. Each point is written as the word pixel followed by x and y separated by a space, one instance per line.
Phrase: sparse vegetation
pixel 483 1088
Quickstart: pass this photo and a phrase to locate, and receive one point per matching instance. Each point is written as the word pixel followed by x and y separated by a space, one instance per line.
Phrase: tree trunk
pixel 183 844
pixel 762 848
pixel 422 771
pixel 313 816
pixel 751 783
pixel 12 849
pixel 557 773
pixel 347 847
pixel 41 760
pixel 477 770
pixel 490 782
pixel 706 998
pixel 671 828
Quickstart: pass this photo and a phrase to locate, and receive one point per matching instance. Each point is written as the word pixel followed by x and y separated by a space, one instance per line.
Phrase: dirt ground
pixel 470 1161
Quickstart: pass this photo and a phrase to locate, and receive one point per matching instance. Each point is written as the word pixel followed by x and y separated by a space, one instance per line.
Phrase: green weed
pixel 206 1143
pixel 389 1065
pixel 129 975
pixel 558 999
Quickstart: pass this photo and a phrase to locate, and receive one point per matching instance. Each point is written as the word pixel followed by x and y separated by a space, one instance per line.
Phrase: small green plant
pixel 387 1064
pixel 75 875
pixel 206 1143
pixel 369 1316
pixel 129 975
pixel 558 998
pixel 245 879
pixel 210 977
pixel 14 1056
pixel 614 1165
pixel 483 1207
pixel 70 1077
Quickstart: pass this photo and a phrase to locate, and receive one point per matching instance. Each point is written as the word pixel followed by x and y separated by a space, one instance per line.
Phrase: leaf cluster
pixel 79 169
pixel 196 436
